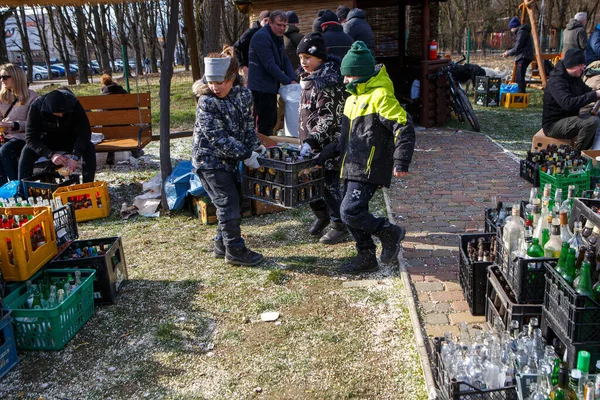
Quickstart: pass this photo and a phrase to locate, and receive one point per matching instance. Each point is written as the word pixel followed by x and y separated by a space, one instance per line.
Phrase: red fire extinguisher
pixel 433 49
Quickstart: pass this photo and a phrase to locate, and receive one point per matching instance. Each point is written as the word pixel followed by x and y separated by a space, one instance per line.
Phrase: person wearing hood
pixel 316 25
pixel 564 95
pixel 592 50
pixel 15 101
pixel 342 13
pixel 523 50
pixel 242 45
pixel 269 68
pixel 358 28
pixel 109 86
pixel 377 139
pixel 574 35
pixel 337 41
pixel 224 135
pixel 291 39
pixel 321 105
pixel 58 129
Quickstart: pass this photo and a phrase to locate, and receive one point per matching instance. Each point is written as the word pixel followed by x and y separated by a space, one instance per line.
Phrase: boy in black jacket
pixel 377 137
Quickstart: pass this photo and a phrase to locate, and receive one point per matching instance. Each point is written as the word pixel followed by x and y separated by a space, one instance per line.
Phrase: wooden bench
pixel 540 141
pixel 125 120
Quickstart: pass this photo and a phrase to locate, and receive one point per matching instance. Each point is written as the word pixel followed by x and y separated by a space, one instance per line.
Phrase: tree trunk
pixel 166 73
pixel 4 15
pixel 212 27
pixel 81 48
pixel 190 34
pixel 119 10
pixel 22 27
pixel 63 52
pixel 133 17
pixel 40 24
pixel 101 39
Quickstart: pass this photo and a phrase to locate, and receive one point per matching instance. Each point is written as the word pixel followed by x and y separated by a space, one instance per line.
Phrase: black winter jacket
pixel 291 39
pixel 358 28
pixel 321 105
pixel 523 48
pixel 564 95
pixel 242 46
pixel 47 133
pixel 336 41
pixel 113 89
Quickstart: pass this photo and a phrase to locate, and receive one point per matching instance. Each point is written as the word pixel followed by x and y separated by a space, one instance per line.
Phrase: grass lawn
pixel 512 128
pixel 187 326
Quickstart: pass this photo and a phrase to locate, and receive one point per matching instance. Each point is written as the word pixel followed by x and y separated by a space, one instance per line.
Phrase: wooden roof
pixel 17 3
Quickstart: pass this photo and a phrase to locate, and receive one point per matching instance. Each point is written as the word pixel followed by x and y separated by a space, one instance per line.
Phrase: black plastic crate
pixel 451 389
pixel 111 269
pixel 501 303
pixel 552 333
pixel 473 275
pixel 529 172
pixel 284 168
pixel 490 226
pixel 583 208
pixel 525 276
pixel 45 183
pixel 65 225
pixel 577 316
pixel 284 196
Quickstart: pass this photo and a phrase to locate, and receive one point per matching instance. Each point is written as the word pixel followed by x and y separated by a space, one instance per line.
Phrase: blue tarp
pixel 183 180
pixel 9 189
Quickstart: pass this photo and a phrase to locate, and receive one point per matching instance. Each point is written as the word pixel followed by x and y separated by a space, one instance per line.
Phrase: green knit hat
pixel 358 61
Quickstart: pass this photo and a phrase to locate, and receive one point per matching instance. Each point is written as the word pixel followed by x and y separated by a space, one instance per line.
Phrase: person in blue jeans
pixel 224 135
pixel 377 137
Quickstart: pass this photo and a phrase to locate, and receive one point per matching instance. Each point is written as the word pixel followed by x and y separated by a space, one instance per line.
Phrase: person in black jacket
pixel 109 86
pixel 564 95
pixel 358 28
pixel 336 41
pixel 291 39
pixel 58 123
pixel 522 50
pixel 242 46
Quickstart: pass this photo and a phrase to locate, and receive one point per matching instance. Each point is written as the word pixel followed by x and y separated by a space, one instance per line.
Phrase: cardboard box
pixel 541 141
pixel 591 154
pixel 205 210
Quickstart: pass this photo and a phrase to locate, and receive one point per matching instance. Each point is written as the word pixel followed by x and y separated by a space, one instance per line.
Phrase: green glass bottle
pixel 562 389
pixel 569 271
pixel 535 250
pixel 596 290
pixel 545 236
pixel 560 265
pixel 555 371
pixel 37 301
pixel 585 280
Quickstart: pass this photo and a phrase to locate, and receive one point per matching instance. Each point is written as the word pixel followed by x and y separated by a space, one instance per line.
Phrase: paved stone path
pixel 452 179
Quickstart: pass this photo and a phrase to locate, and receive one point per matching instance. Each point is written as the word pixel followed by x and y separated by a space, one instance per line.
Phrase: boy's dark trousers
pixel 330 203
pixel 225 191
pixel 355 213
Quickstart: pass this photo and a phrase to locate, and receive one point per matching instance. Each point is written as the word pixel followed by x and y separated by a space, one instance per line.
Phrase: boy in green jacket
pixel 377 138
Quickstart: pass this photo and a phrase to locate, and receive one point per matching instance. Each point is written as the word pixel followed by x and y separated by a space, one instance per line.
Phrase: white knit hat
pixel 216 68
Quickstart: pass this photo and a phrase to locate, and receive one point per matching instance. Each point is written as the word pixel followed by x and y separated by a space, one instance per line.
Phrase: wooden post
pixel 536 40
pixel 190 29
pixel 425 30
pixel 166 73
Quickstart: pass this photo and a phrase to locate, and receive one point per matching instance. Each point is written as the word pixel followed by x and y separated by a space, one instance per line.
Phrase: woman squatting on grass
pixel 224 135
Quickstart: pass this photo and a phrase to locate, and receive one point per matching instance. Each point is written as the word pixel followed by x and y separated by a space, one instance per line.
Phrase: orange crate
pixel 18 259
pixel 91 200
pixel 515 100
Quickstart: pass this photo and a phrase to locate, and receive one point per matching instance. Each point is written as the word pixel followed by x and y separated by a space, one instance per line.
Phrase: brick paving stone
pixel 440 306
pixel 457 318
pixel 445 296
pixel 451 286
pixel 460 305
pixel 429 286
pixel 423 297
pixel 436 319
pixel 440 330
pixel 417 278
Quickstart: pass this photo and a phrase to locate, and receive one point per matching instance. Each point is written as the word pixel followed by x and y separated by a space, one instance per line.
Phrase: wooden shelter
pixel 403 30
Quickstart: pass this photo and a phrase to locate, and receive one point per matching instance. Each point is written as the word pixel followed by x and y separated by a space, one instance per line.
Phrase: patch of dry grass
pixel 186 326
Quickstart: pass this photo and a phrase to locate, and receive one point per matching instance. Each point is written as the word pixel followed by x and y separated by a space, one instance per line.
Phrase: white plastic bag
pixel 291 96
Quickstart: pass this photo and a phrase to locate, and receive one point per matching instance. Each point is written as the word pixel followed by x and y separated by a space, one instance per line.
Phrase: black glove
pixel 327 153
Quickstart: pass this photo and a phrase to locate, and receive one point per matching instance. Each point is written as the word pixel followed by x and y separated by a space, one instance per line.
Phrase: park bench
pixel 125 120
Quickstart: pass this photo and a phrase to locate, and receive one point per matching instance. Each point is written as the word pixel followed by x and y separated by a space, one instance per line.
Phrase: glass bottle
pixel 569 270
pixel 554 245
pixel 546 196
pixel 567 205
pixel 563 385
pixel 545 236
pixel 542 224
pixel 562 259
pixel 556 203
pixel 565 232
pixel 584 286
pixel 513 231
pixel 577 240
pixel 536 251
pixel 583 364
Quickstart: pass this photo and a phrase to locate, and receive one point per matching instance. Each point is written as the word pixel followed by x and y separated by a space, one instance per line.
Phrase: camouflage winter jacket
pixel 321 105
pixel 224 131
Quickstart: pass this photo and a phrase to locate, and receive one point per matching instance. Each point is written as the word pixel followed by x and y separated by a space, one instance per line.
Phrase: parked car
pixel 57 71
pixel 72 68
pixel 38 72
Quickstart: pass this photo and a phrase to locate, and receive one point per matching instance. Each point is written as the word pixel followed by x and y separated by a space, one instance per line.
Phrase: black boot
pixel 219 248
pixel 365 261
pixel 320 223
pixel 390 235
pixel 336 234
pixel 241 255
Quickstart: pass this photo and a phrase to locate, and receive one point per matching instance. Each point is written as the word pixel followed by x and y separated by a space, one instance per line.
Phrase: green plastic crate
pixel 51 329
pixel 581 182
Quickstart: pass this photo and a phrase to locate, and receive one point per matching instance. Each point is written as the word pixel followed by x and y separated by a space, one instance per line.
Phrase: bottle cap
pixel 583 361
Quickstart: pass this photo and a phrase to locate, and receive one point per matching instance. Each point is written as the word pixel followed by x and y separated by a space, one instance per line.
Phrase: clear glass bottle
pixel 565 232
pixel 557 202
pixel 576 240
pixel 554 245
pixel 567 205
pixel 513 231
pixel 544 222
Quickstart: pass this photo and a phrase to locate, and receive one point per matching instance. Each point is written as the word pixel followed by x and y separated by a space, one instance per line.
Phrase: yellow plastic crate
pixel 91 200
pixel 22 250
pixel 515 100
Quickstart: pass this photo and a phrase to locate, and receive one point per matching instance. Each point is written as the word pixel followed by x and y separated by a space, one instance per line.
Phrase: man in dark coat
pixel 242 45
pixel 522 50
pixel 342 13
pixel 358 28
pixel 316 25
pixel 58 122
pixel 269 67
pixel 574 36
pixel 592 50
pixel 336 41
pixel 564 95
pixel 292 38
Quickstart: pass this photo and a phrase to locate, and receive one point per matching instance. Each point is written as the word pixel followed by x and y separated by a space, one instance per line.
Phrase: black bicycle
pixel 459 101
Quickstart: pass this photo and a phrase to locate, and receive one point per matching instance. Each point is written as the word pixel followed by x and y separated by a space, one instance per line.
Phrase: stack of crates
pixel 487 91
pixel 45 184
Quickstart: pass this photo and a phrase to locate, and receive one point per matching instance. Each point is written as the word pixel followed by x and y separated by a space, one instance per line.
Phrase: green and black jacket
pixel 377 133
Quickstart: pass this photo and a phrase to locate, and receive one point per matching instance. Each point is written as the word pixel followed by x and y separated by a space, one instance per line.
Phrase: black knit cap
pixel 342 12
pixel 329 16
pixel 573 58
pixel 292 18
pixel 313 44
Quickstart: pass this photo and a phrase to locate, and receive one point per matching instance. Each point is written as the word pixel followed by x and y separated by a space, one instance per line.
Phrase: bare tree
pixel 21 21
pixel 40 23
pixel 4 15
pixel 60 43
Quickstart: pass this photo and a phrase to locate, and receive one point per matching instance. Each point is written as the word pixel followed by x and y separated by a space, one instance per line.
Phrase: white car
pixel 38 72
